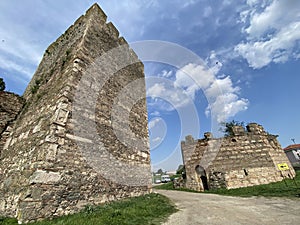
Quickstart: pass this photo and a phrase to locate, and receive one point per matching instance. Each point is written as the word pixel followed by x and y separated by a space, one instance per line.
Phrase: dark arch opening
pixel 202 174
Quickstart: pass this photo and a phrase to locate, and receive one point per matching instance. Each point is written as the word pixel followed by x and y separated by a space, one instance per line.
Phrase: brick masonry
pixel 64 149
pixel 246 159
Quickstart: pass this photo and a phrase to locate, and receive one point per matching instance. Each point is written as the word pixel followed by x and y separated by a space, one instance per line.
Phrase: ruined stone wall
pixel 245 159
pixel 10 106
pixel 53 164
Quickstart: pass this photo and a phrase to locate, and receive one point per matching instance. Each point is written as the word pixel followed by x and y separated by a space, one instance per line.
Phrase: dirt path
pixel 195 208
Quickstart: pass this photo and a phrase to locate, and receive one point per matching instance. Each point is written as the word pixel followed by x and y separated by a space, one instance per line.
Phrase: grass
pixel 287 188
pixel 8 221
pixel 169 186
pixel 150 209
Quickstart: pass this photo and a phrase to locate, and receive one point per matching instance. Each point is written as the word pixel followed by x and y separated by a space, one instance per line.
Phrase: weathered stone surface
pixel 10 106
pixel 50 166
pixel 245 159
pixel 44 177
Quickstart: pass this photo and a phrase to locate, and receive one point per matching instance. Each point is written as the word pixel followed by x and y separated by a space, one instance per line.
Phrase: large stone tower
pixel 82 136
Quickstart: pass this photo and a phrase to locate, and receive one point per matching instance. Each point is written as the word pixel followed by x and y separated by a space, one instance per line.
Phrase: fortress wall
pixel 244 159
pixel 48 168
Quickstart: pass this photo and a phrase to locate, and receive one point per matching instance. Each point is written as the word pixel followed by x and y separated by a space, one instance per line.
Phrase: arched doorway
pixel 202 175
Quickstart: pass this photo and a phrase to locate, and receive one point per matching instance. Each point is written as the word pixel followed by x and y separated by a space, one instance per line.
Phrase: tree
pixel 180 169
pixel 227 127
pixel 2 84
pixel 160 171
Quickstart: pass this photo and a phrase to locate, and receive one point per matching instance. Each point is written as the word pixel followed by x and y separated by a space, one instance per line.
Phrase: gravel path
pixel 195 208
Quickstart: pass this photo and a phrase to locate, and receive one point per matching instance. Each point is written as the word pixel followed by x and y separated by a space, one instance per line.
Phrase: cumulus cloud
pixel 226 105
pixel 167 97
pixel 223 97
pixel 193 77
pixel 220 87
pixel 273 32
pixel 221 94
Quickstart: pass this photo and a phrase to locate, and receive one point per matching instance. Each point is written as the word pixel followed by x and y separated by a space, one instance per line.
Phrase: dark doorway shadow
pixel 202 174
pixel 204 182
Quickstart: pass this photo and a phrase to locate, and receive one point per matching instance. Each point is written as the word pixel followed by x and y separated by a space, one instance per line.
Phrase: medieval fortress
pixel 76 137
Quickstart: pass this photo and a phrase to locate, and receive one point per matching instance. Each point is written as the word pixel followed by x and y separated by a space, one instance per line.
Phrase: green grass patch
pixel 287 188
pixel 8 221
pixel 166 186
pixel 150 209
pixel 169 186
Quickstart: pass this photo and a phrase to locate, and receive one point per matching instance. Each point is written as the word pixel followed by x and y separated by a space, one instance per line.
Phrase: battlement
pixel 251 129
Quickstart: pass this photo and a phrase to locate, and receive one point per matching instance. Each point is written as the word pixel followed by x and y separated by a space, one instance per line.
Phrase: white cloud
pixel 194 75
pixel 155 113
pixel 167 97
pixel 275 16
pixel 157 131
pixel 225 106
pixel 224 101
pixel 220 87
pixel 157 139
pixel 17 52
pixel 153 123
pixel 278 49
pixel 12 67
pixel 26 31
pixel 189 3
pixel 273 33
pixel 221 94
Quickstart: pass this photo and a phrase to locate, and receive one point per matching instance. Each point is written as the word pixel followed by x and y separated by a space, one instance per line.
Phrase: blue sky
pixel 250 53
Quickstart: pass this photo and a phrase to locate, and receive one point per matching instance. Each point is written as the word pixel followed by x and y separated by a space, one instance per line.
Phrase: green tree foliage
pixel 2 84
pixel 180 169
pixel 160 171
pixel 227 127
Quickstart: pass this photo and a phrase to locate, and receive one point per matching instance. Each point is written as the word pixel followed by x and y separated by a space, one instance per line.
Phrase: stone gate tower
pixel 71 145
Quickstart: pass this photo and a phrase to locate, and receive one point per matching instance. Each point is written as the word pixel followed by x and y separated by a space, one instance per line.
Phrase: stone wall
pixel 248 158
pixel 10 106
pixel 65 150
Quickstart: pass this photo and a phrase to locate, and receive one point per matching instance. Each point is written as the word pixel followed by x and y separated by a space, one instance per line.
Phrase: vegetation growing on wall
pixel 227 127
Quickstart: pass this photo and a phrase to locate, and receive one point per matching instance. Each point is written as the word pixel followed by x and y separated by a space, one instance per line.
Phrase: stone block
pixel 44 177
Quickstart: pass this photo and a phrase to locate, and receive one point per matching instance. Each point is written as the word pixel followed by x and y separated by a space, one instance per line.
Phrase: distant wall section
pixel 10 106
pixel 245 159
